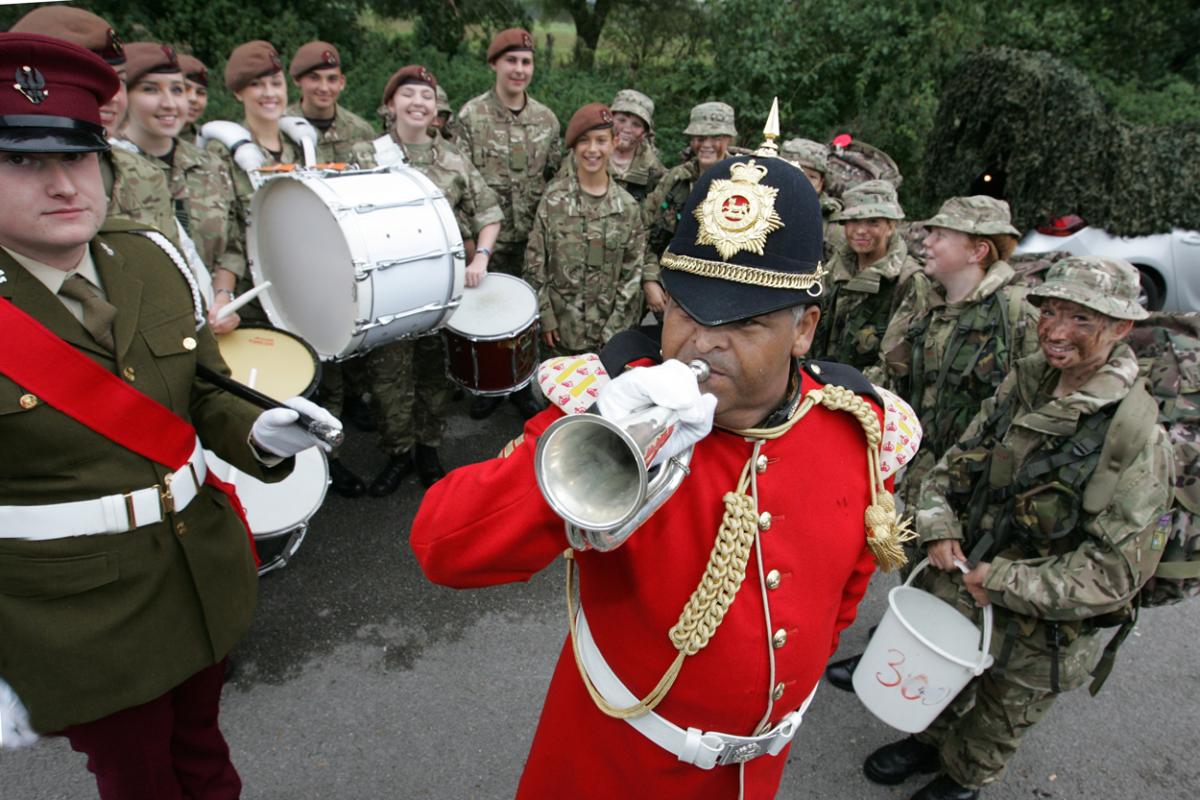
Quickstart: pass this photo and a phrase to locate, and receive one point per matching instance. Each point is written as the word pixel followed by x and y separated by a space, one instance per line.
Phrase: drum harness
pixel 712 598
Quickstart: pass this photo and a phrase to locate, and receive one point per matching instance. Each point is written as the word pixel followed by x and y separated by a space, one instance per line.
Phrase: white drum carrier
pixel 356 259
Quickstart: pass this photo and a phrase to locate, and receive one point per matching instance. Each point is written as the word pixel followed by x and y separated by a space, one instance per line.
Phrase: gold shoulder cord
pixel 726 570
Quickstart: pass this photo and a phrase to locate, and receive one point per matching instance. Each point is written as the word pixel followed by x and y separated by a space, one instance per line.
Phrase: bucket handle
pixel 985 651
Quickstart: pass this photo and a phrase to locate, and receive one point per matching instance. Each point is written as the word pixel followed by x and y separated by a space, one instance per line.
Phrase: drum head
pixel 499 307
pixel 272 361
pixel 299 246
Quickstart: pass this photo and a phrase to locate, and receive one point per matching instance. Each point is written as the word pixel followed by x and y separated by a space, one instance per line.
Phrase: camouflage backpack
pixel 852 162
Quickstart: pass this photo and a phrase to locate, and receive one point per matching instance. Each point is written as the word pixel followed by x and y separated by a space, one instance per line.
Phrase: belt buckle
pixel 165 497
pixel 739 753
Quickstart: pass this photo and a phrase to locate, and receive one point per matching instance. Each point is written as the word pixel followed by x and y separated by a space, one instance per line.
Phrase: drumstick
pixel 323 431
pixel 232 306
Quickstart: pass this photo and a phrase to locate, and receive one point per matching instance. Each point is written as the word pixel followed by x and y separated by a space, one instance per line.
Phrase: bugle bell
pixel 595 472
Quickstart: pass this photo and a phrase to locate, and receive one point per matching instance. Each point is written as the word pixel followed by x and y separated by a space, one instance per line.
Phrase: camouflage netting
pixel 1060 149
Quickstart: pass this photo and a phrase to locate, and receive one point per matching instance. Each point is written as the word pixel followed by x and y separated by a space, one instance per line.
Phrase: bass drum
pixel 279 512
pixel 356 259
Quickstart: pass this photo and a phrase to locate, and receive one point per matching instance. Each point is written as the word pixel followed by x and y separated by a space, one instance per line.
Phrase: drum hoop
pixel 316 379
pixel 510 334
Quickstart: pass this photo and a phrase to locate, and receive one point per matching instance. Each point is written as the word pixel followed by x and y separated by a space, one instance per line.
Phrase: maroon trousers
pixel 168 749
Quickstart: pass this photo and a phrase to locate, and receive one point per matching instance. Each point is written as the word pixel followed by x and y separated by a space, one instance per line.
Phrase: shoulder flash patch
pixel 838 374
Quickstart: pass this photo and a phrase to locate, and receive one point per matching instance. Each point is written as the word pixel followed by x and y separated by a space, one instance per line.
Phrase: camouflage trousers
pixel 342 379
pixel 509 258
pixel 412 393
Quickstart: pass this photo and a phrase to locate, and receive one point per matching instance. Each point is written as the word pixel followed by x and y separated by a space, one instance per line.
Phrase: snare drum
pixel 356 259
pixel 279 512
pixel 274 362
pixel 491 341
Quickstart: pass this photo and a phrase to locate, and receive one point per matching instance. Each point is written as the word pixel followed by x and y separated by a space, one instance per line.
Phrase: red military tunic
pixel 487 524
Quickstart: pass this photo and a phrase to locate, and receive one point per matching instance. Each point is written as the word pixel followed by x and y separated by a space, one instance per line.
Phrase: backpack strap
pixel 1131 428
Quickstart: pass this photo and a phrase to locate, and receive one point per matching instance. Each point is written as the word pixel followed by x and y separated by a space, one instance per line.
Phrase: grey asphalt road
pixel 361 680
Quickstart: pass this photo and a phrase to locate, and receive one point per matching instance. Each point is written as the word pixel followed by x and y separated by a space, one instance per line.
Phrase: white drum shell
pixel 356 259
pixel 277 509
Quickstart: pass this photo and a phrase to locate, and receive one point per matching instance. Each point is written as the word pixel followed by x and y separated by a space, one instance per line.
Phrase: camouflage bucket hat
pixel 1108 285
pixel 711 119
pixel 979 215
pixel 806 153
pixel 443 102
pixel 629 101
pixel 870 200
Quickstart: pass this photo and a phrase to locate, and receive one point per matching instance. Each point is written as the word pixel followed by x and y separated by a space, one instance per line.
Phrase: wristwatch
pixel 230 292
pixel 485 250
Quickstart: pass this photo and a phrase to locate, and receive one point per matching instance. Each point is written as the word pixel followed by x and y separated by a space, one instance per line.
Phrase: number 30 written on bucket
pixel 911 687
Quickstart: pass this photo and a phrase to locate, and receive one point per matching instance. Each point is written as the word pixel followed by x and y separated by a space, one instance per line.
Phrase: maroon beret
pixel 193 69
pixel 413 73
pixel 314 55
pixel 509 39
pixel 142 58
pixel 75 26
pixel 53 103
pixel 588 118
pixel 248 61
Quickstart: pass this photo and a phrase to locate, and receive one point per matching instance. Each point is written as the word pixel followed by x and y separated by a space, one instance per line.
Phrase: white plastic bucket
pixel 922 655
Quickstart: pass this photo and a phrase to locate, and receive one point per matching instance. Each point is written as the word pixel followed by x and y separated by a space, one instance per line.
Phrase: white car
pixel 1169 262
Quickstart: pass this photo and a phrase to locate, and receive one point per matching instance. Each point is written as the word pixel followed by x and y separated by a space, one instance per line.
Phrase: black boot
pixel 343 481
pixel 525 401
pixel 483 406
pixel 943 787
pixel 841 673
pixel 897 762
pixel 359 412
pixel 388 479
pixel 429 466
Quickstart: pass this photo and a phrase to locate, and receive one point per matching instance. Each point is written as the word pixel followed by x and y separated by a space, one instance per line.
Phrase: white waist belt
pixel 693 746
pixel 115 513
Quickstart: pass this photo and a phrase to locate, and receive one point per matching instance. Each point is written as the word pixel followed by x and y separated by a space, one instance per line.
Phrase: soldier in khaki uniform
pixel 316 70
pixel 585 250
pixel 635 164
pixel 135 187
pixel 408 377
pixel 195 84
pixel 126 572
pixel 1059 532
pixel 870 275
pixel 514 141
pixel 199 182
pixel 712 130
pixel 813 158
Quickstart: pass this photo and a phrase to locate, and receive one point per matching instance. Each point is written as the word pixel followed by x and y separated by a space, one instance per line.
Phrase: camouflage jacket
pixel 517 154
pixel 137 190
pixel 663 209
pixel 643 173
pixel 835 235
pixel 946 359
pixel 202 192
pixel 475 204
pixel 1066 577
pixel 858 304
pixel 584 258
pixel 336 145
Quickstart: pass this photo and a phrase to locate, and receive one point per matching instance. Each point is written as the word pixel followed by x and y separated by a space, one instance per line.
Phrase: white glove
pixel 672 385
pixel 276 430
pixel 15 730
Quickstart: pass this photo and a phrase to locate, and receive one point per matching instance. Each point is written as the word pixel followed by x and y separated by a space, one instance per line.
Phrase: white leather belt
pixel 693 746
pixel 115 513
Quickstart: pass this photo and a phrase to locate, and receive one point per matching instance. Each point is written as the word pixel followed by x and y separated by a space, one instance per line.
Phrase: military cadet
pixel 870 275
pixel 316 69
pixel 712 131
pixel 813 158
pixel 634 164
pixel 1056 497
pixel 514 141
pixel 135 187
pixel 200 185
pixel 772 530
pixel 408 377
pixel 254 74
pixel 444 113
pixel 948 351
pixel 126 567
pixel 585 250
pixel 195 84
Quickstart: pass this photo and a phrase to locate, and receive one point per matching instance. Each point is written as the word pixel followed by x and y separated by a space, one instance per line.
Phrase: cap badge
pixel 329 58
pixel 526 40
pixel 739 213
pixel 31 83
pixel 115 48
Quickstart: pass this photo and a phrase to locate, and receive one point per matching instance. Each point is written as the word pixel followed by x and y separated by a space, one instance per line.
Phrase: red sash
pixel 96 398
